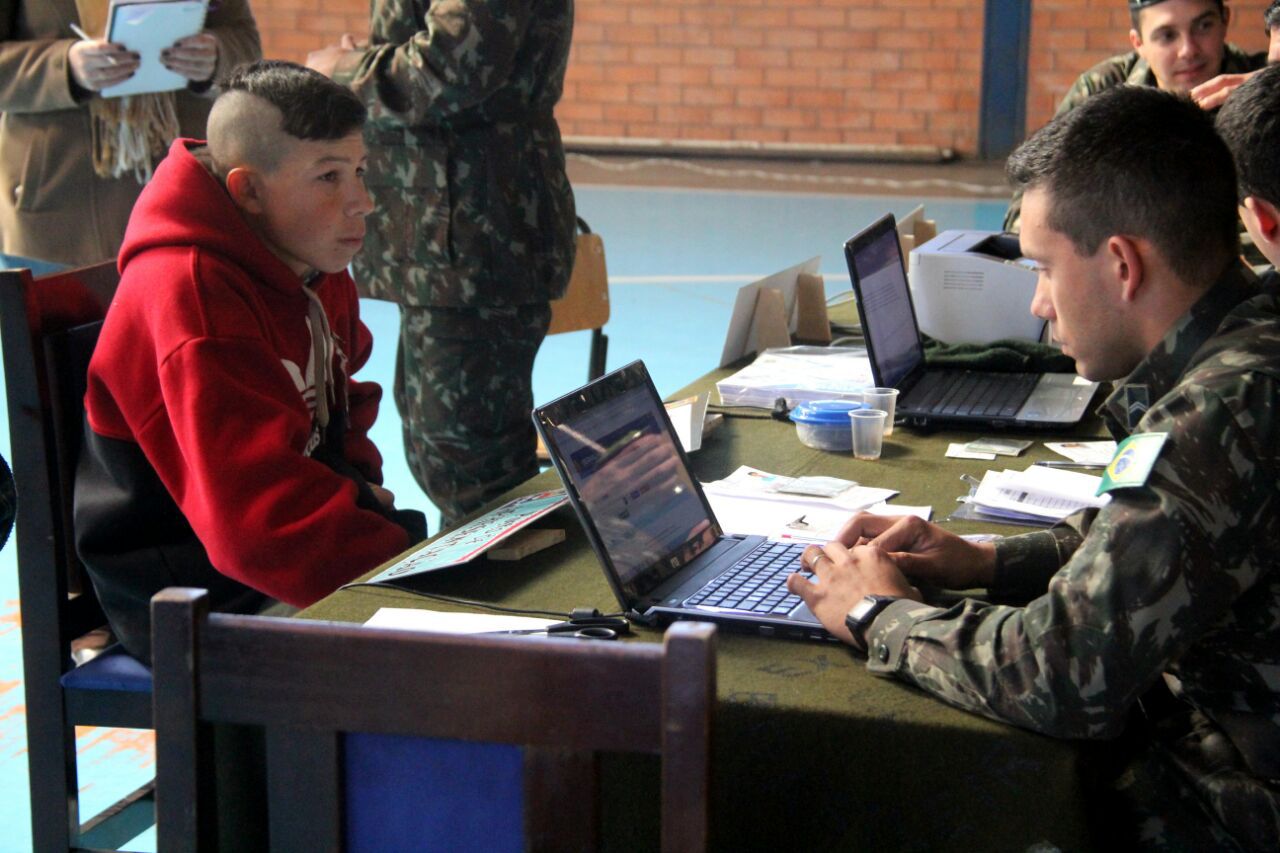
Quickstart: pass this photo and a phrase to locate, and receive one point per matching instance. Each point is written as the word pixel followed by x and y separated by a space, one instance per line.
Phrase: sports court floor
pixel 680 238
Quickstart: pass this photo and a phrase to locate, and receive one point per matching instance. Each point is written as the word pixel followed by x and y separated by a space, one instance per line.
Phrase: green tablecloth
pixel 812 752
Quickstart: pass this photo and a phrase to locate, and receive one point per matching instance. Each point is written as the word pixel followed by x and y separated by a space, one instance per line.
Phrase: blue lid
pixel 825 412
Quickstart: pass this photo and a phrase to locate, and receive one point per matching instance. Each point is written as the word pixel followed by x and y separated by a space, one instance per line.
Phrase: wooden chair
pixel 585 304
pixel 49 327
pixel 312 684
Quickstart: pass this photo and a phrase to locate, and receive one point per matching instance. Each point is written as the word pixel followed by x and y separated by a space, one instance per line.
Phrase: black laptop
pixel 937 396
pixel 649 521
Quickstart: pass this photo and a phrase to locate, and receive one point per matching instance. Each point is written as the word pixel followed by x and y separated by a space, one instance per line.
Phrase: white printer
pixel 973 287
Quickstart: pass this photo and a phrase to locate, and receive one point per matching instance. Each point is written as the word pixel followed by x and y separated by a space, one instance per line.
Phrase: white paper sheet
pixel 442 622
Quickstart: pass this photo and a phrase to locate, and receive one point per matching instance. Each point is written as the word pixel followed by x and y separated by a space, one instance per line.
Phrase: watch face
pixel 862 608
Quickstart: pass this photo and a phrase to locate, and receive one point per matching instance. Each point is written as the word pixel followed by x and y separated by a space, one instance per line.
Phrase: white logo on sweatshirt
pixel 306 385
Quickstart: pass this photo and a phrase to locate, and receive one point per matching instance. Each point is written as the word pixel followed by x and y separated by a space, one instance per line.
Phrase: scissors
pixel 593 628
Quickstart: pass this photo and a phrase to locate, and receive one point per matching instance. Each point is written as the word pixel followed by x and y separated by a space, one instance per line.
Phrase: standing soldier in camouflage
pixel 1178 45
pixel 1131 216
pixel 473 232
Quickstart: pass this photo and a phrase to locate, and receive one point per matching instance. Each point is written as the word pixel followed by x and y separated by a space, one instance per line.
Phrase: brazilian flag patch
pixel 1134 459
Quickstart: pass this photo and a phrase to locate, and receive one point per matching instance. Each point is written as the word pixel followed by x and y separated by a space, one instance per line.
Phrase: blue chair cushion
pixel 427 795
pixel 113 669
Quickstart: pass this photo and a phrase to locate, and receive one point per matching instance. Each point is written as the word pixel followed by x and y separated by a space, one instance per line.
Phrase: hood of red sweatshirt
pixel 184 206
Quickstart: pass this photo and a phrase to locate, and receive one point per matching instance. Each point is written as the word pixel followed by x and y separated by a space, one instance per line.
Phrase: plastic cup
pixel 868 432
pixel 884 399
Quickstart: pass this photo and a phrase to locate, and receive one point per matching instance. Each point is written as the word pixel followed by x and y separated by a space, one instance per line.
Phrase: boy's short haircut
pixel 313 107
pixel 1140 162
pixel 1250 124
pixel 1136 7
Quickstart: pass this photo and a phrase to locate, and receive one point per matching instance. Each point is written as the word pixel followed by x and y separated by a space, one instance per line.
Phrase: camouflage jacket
pixel 466 165
pixel 1178 577
pixel 1127 68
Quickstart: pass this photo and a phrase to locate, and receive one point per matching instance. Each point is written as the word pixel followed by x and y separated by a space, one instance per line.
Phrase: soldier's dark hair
pixel 313 106
pixel 1136 7
pixel 1140 162
pixel 1271 17
pixel 1249 123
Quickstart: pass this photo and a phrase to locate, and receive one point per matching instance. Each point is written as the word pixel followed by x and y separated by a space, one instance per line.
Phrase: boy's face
pixel 1182 41
pixel 311 208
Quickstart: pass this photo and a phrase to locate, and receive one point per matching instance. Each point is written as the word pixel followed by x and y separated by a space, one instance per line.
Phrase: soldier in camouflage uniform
pixel 1152 63
pixel 1130 212
pixel 473 233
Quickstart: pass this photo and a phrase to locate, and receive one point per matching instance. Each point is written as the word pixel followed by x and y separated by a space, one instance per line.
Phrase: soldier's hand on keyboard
pixel 841 577
pixel 924 551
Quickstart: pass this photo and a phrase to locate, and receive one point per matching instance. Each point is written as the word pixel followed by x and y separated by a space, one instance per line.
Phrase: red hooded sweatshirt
pixel 201 459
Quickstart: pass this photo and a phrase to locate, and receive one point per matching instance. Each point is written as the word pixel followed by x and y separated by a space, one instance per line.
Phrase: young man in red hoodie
pixel 226 444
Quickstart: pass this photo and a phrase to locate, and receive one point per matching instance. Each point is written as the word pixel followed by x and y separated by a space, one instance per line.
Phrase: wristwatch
pixel 859 619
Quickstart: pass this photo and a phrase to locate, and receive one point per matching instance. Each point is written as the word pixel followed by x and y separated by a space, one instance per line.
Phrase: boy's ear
pixel 1265 215
pixel 242 184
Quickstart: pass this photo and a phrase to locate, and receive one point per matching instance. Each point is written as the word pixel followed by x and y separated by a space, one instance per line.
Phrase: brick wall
pixel 860 72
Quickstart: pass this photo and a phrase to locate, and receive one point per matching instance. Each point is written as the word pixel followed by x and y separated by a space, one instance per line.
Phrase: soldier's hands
pixel 1212 94
pixel 385 496
pixel 842 576
pixel 98 64
pixel 326 59
pixel 194 57
pixel 924 551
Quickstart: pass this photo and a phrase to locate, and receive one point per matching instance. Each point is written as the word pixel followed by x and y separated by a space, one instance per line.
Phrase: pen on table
pixel 78 30
pixel 1054 463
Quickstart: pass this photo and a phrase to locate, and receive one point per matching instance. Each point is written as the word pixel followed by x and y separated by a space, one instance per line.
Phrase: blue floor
pixel 676 259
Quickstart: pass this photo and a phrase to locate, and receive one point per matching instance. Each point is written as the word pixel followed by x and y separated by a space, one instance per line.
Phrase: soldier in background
pixel 473 232
pixel 1178 45
pixel 1158 615
pixel 1214 93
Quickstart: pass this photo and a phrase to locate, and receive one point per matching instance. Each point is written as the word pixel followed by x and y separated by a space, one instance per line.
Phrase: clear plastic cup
pixel 868 432
pixel 884 399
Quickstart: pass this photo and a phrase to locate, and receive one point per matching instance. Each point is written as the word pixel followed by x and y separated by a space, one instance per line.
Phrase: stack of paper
pixel 1037 495
pixel 799 374
pixel 806 508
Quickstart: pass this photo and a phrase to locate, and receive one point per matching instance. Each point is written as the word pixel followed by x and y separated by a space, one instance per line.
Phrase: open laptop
pixel 937 396
pixel 649 522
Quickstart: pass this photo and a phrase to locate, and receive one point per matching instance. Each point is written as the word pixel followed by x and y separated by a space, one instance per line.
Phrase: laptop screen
pixel 884 301
pixel 614 443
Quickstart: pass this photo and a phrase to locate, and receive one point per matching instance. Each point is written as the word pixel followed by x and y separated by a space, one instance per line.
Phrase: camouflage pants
pixel 1181 788
pixel 464 392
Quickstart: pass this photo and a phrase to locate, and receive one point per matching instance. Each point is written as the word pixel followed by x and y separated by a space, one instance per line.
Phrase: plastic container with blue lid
pixel 824 424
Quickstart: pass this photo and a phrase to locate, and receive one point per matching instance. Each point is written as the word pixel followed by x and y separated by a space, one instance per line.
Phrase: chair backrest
pixel 585 303
pixel 307 683
pixel 49 328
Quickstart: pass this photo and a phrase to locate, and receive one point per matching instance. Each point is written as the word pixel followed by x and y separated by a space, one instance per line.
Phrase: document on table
pixel 442 622
pixel 1038 494
pixel 753 484
pixel 752 501
pixel 475 537
pixel 1087 452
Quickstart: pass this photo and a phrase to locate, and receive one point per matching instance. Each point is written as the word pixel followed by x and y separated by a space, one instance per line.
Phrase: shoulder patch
pixel 1133 461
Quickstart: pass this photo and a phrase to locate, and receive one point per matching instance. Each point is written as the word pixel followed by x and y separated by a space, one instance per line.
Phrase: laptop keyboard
pixel 756 583
pixel 973 394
